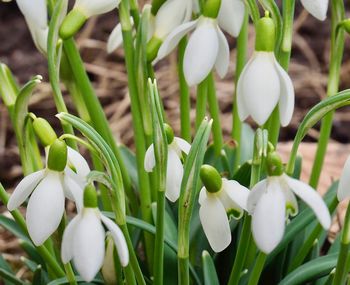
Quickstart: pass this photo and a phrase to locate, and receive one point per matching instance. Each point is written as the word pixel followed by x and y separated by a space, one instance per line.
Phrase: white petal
pixel 243 111
pixel 236 192
pixel 231 16
pixel 260 88
pixel 255 194
pixel 78 161
pixel 201 52
pixel 215 223
pixel 73 191
pixel 344 182
pixel 88 244
pixel 119 240
pixel 291 202
pixel 96 7
pixel 115 39
pixel 67 240
pixel 223 58
pixel 317 8
pixel 286 102
pixel 35 11
pixel 268 219
pixel 150 160
pixel 170 15
pixel 174 38
pixel 24 188
pixel 202 195
pixel 39 36
pixel 183 145
pixel 312 199
pixel 45 208
pixel 174 176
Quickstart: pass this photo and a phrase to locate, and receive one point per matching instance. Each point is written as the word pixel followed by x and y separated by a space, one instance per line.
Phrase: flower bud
pixel 72 23
pixel 211 8
pixel 57 159
pixel 265 34
pixel 44 131
pixel 8 87
pixel 90 196
pixel 210 178
pixel 169 133
pixel 152 48
pixel 108 267
pixel 274 164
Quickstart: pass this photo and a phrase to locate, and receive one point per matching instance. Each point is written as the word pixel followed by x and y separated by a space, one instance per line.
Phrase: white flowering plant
pixel 183 209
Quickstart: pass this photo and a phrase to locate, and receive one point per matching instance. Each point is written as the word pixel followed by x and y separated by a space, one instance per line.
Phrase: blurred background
pixel 308 70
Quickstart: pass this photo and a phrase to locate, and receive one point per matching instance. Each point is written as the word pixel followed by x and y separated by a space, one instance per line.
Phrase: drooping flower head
pixel 263 83
pixel 317 8
pixel 83 10
pixel 84 238
pixel 207 47
pixel 174 165
pixel 220 199
pixel 48 187
pixel 272 201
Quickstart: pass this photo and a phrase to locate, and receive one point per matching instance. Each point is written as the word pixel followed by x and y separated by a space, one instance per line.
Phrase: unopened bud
pixel 44 131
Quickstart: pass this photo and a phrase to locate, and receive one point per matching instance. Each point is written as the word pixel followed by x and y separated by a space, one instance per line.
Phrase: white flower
pixel 215 208
pixel 95 7
pixel 174 166
pixel 231 16
pixel 272 200
pixel 35 14
pixel 262 85
pixel 206 48
pixel 170 15
pixel 84 242
pixel 344 182
pixel 317 8
pixel 46 204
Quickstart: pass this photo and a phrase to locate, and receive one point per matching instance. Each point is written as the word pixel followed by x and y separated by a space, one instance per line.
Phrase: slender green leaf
pixel 209 271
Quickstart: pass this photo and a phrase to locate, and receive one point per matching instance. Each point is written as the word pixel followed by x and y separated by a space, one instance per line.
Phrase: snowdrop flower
pixel 174 166
pixel 84 238
pixel 263 83
pixel 170 15
pixel 83 10
pixel 231 16
pixel 218 199
pixel 273 199
pixel 317 8
pixel 35 14
pixel 49 187
pixel 344 182
pixel 206 48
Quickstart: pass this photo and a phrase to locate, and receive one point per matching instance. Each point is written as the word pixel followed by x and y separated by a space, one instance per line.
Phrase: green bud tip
pixel 211 8
pixel 265 34
pixel 346 25
pixel 72 23
pixel 210 178
pixel 274 164
pixel 57 159
pixel 152 48
pixel 169 133
pixel 90 196
pixel 44 131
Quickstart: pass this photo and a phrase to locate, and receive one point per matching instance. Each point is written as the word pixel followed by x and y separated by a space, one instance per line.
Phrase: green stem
pixel 159 243
pixel 258 267
pixel 144 186
pixel 93 105
pixel 185 102
pixel 183 264
pixel 70 274
pixel 336 54
pixel 201 102
pixel 246 238
pixel 242 42
pixel 341 269
pixel 215 114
